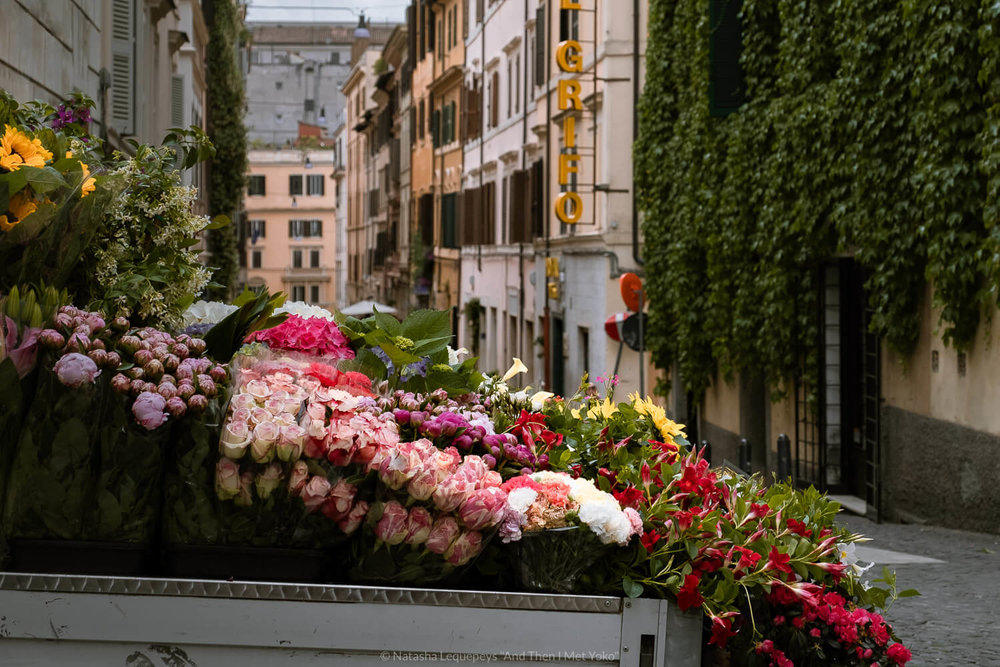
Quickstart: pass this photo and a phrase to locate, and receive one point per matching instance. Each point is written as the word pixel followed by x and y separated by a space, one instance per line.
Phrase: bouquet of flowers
pixel 562 525
pixel 434 512
pixel 52 476
pixel 283 470
pixel 163 379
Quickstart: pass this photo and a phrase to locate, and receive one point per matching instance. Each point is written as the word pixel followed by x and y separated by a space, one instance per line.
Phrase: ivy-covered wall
pixel 869 128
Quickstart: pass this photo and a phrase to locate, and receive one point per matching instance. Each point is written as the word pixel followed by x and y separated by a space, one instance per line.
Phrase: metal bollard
pixel 745 455
pixel 784 457
pixel 706 450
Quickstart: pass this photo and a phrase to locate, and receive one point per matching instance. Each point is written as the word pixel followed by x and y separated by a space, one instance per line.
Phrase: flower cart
pixel 51 619
pixel 205 483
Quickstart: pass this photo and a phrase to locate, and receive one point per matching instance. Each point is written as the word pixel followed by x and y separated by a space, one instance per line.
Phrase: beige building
pixel 549 223
pixel 290 224
pixel 362 178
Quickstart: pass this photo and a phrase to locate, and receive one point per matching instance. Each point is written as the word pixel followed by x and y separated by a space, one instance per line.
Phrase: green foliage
pixel 870 130
pixel 256 311
pixel 412 354
pixel 227 171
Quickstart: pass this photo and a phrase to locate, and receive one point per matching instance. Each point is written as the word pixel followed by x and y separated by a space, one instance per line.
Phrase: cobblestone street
pixel 956 619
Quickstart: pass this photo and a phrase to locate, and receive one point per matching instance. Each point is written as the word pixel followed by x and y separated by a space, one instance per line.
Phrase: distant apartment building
pixel 367 176
pixel 549 220
pixel 295 75
pixel 290 224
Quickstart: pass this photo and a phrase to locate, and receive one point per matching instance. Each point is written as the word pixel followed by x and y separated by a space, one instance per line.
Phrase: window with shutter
pixel 725 84
pixel 449 220
pixel 314 294
pixel 257 185
pixel 494 105
pixel 123 66
pixel 465 19
pixel 295 184
pixel 436 128
pixel 177 101
pixel 315 184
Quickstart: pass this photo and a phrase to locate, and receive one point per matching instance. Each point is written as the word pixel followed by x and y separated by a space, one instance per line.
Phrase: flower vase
pixel 552 560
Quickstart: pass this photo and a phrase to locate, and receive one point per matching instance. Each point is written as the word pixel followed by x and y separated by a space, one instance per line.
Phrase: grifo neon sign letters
pixel 569 57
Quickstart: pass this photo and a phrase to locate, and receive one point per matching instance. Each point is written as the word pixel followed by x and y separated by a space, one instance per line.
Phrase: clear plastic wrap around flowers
pixel 289 461
pixel 552 560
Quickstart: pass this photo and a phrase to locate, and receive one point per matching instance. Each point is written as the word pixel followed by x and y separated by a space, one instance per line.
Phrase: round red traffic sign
pixel 631 288
pixel 613 326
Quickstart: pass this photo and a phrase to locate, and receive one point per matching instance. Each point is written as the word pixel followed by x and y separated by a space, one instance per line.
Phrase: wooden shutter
pixel 538 199
pixel 123 66
pixel 520 208
pixel 411 29
pixel 177 101
pixel 465 19
pixel 540 36
pixel 495 101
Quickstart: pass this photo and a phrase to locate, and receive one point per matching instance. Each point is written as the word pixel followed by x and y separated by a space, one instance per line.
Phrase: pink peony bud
pixel 121 383
pixel 97 344
pixel 198 346
pixel 51 339
pixel 443 532
pixel 227 479
pixel 167 390
pixel 314 492
pixel 197 404
pixel 153 369
pixel 64 321
pixel 114 359
pixel 219 373
pixel 75 369
pixel 148 410
pixel 391 528
pixel 100 357
pixel 207 386
pixel 142 357
pixel 176 407
pixel 180 350
pixel 119 324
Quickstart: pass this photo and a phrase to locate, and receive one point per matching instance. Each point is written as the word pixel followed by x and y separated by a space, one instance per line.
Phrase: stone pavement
pixel 956 619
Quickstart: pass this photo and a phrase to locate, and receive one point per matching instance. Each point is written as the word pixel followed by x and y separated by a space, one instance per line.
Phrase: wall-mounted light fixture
pixel 309 164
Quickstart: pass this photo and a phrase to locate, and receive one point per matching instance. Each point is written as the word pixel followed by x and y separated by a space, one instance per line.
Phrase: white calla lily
pixel 517 367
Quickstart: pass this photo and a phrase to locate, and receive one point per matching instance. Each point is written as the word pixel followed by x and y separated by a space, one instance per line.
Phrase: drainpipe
pixel 636 254
pixel 524 141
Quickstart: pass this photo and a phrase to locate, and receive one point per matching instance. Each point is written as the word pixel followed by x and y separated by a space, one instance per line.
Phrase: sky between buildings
pixel 325 11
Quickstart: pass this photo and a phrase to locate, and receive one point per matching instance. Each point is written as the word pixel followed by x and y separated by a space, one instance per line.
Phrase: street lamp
pixel 361 32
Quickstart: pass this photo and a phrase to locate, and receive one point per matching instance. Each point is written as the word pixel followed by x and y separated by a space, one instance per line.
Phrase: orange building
pixel 291 224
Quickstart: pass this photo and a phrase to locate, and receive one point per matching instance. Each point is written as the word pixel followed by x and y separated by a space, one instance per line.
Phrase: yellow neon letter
pixel 573 216
pixel 569 91
pixel 568 56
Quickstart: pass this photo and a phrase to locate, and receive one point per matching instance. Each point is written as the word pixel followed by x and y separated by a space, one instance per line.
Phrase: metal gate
pixel 837 398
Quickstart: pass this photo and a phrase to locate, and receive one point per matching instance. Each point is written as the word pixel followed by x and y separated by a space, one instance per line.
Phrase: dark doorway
pixel 558 367
pixel 837 444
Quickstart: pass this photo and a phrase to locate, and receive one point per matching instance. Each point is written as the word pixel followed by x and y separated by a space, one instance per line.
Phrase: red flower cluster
pixel 357 384
pixel 312 335
pixel 861 634
pixel 530 428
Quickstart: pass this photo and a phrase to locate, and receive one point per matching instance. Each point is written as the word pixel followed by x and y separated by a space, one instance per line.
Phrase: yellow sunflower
pixel 88 184
pixel 19 208
pixel 17 149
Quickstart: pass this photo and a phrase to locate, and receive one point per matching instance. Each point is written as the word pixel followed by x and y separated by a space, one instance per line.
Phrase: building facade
pixel 291 224
pixel 295 74
pixel 548 204
pixel 141 61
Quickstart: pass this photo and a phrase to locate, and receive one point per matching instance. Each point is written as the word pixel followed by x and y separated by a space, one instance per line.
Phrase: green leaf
pixel 43 179
pixel 427 324
pixel 218 222
pixel 388 323
pixel 632 589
